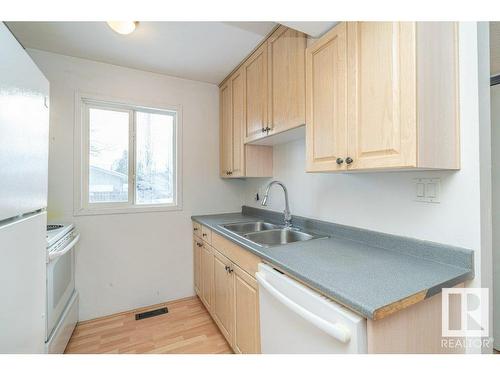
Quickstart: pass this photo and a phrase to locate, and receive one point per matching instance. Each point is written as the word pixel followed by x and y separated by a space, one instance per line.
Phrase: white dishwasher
pixel 296 319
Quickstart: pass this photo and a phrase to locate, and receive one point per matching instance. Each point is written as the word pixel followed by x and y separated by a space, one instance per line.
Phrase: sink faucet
pixel 287 214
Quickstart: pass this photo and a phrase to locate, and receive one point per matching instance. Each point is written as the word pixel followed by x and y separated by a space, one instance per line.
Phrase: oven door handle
pixel 60 253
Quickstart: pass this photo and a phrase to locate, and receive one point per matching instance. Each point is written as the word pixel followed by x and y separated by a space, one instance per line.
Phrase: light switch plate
pixel 427 190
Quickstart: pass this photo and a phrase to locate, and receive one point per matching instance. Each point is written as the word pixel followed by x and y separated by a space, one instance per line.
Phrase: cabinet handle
pixel 349 160
pixel 204 234
pixel 229 173
pixel 199 244
pixel 195 229
pixel 339 161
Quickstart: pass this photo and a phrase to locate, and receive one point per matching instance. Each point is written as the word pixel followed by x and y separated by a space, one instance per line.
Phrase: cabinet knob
pixel 349 160
pixel 263 130
pixel 226 268
pixel 199 244
pixel 195 229
pixel 230 270
pixel 339 161
pixel 267 129
pixel 229 173
pixel 204 234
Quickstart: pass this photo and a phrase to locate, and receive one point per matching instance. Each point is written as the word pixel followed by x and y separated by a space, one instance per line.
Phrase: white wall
pixel 495 156
pixel 385 201
pixel 131 260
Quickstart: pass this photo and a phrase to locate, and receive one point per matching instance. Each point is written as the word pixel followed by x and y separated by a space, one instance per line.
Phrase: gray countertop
pixel 369 272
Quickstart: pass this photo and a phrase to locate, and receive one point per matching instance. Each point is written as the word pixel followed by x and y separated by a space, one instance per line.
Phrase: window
pixel 128 158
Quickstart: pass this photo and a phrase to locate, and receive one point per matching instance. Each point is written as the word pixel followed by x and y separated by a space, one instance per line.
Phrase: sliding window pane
pixel 155 158
pixel 108 155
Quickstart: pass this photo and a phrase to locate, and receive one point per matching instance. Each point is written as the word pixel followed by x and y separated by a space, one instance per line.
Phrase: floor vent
pixel 149 314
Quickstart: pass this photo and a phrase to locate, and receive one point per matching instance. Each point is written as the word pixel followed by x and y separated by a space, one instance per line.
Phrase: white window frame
pixel 82 206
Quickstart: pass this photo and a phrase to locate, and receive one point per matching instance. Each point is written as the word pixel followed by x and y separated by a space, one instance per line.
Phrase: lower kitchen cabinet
pixel 197 244
pixel 207 275
pixel 224 278
pixel 223 310
pixel 228 289
pixel 246 312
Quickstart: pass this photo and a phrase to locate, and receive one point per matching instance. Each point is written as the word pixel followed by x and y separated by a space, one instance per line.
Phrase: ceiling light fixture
pixel 122 27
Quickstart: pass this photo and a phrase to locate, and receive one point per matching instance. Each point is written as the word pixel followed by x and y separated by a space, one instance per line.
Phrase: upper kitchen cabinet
pixel 263 97
pixel 256 94
pixel 237 159
pixel 237 90
pixel 326 89
pixel 383 95
pixel 286 79
pixel 226 130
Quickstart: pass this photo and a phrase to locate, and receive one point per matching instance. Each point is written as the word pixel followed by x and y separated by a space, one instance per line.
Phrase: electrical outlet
pixel 427 190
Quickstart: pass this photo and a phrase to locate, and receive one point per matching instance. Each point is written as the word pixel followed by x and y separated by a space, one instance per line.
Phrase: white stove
pixel 62 297
pixel 57 231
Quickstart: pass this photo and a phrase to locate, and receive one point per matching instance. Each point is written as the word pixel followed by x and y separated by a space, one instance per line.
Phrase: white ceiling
pixel 202 51
pixel 495 48
pixel 314 29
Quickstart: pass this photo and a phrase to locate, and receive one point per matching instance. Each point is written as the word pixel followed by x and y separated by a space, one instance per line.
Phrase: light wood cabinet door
pixel 256 94
pixel 326 102
pixel 197 244
pixel 237 82
pixel 207 275
pixel 286 79
pixel 226 130
pixel 246 313
pixel 382 95
pixel 223 302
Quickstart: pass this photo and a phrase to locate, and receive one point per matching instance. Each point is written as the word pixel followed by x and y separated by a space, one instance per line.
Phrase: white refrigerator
pixel 24 128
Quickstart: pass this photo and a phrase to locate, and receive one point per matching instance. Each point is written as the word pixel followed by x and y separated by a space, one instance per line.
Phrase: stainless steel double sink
pixel 269 235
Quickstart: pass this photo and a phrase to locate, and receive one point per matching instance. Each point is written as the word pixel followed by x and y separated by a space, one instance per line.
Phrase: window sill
pixel 90 211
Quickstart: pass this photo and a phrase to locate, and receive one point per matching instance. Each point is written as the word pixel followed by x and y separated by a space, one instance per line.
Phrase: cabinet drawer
pixel 243 258
pixel 196 229
pixel 206 234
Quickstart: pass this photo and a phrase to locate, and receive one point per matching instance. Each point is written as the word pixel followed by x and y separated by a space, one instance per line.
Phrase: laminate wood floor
pixel 186 328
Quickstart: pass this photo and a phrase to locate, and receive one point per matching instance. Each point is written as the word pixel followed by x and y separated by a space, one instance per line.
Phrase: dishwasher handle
pixel 337 330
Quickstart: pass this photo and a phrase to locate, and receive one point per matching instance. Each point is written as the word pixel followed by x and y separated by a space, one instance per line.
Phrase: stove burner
pixel 54 226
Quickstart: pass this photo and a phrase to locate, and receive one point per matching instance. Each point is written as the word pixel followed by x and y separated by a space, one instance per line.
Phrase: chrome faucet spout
pixel 287 214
